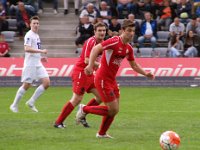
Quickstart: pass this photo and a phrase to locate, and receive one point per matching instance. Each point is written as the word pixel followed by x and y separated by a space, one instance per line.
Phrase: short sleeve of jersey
pixel 130 55
pixel 109 43
pixel 27 40
pixel 90 43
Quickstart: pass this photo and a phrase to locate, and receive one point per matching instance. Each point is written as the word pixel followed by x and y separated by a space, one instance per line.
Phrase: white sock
pixel 36 94
pixel 21 91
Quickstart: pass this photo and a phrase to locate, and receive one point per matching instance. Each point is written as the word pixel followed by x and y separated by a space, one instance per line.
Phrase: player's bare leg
pixel 21 91
pixel 38 92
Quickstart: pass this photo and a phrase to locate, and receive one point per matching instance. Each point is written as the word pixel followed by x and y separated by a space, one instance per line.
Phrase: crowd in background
pixel 181 18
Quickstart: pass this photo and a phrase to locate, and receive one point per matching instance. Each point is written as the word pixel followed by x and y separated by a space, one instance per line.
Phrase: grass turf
pixel 144 114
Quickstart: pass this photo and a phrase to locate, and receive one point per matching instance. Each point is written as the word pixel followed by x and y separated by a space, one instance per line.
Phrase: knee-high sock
pixel 67 109
pixel 21 91
pixel 36 94
pixel 92 102
pixel 97 110
pixel 105 124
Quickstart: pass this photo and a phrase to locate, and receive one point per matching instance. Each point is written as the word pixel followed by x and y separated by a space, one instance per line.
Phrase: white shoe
pixel 80 114
pixel 32 107
pixel 104 136
pixel 14 108
pixel 55 12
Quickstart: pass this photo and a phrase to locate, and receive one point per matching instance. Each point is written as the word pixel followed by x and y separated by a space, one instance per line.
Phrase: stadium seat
pixel 12 24
pixel 161 51
pixel 145 52
pixel 163 37
pixel 8 35
pixel 139 21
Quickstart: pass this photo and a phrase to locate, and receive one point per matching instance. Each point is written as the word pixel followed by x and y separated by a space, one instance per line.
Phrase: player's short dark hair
pixel 34 18
pixel 127 23
pixel 99 24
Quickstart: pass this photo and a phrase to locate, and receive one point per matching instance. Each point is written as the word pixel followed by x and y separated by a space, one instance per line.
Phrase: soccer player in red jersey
pixel 114 51
pixel 80 81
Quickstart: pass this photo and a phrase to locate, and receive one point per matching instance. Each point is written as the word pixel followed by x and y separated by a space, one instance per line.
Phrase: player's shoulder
pixel 91 40
pixel 29 34
pixel 114 39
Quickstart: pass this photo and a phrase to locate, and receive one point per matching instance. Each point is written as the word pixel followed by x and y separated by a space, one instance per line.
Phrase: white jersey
pixel 32 39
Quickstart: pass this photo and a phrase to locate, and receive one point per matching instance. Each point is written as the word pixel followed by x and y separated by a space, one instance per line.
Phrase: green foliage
pixel 144 114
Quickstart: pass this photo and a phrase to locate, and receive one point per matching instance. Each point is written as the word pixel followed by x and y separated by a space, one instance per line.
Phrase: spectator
pixel 55 6
pixel 105 13
pixel 90 12
pixel 148 31
pixel 137 27
pixel 86 30
pixel 4 48
pixel 31 3
pixel 177 28
pixel 76 6
pixel 3 22
pixel 146 6
pixel 125 5
pixel 164 16
pixel 114 27
pixel 184 10
pixel 196 4
pixel 193 25
pixel 191 44
pixel 175 46
pixel 23 15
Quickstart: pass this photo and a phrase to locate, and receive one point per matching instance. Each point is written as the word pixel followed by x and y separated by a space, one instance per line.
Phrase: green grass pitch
pixel 144 114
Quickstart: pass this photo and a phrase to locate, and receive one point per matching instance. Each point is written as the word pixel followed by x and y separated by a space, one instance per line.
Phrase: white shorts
pixel 33 73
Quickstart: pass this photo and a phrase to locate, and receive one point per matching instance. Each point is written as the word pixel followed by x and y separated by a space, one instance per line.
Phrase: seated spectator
pixel 148 31
pixel 114 27
pixel 146 6
pixel 85 29
pixel 125 5
pixel 177 28
pixel 193 25
pixel 137 27
pixel 66 6
pixel 31 3
pixel 191 44
pixel 4 48
pixel 23 15
pixel 105 13
pixel 175 46
pixel 94 2
pixel 55 6
pixel 90 12
pixel 112 4
pixel 184 10
pixel 196 4
pixel 164 16
pixel 3 22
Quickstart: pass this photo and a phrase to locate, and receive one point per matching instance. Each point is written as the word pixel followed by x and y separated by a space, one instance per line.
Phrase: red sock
pixel 97 110
pixel 105 124
pixel 92 102
pixel 67 109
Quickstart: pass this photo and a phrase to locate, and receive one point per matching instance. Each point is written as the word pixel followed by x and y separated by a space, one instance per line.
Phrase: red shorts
pixel 108 89
pixel 82 83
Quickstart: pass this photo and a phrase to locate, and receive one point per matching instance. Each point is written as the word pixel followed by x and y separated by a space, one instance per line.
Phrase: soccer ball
pixel 169 140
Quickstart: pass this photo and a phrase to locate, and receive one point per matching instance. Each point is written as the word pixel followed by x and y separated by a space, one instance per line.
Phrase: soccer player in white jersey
pixel 33 68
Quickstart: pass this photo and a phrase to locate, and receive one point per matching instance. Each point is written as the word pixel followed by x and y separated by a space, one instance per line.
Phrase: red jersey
pixel 114 52
pixel 3 47
pixel 87 47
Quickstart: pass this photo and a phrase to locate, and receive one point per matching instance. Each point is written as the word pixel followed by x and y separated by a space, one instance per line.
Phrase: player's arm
pixel 96 64
pixel 136 67
pixel 32 50
pixel 96 50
